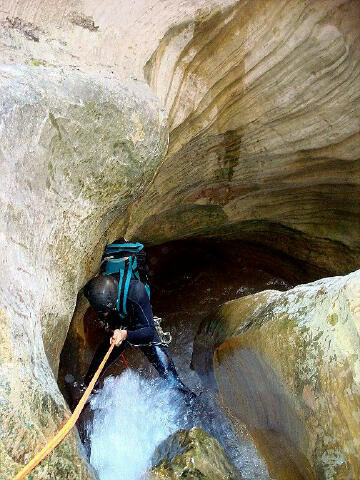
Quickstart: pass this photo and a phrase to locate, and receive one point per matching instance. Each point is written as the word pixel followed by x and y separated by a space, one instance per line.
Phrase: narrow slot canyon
pixel 224 136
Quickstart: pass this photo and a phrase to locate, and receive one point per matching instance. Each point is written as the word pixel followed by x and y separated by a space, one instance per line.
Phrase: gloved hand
pixel 118 337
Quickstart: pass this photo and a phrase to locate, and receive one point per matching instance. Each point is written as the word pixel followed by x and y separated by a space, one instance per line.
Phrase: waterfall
pixel 132 415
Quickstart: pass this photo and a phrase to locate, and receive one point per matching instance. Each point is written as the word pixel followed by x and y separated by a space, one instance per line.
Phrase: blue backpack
pixel 128 260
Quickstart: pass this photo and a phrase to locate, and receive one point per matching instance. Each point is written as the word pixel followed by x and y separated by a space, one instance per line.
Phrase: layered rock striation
pixel 263 105
pixel 262 102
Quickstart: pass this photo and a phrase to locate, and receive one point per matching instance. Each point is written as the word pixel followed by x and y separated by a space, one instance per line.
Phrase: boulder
pixel 287 365
pixel 191 454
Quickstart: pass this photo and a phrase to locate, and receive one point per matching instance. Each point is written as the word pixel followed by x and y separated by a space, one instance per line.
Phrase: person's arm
pixel 141 336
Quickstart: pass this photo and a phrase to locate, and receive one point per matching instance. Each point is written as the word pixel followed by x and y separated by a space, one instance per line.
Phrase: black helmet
pixel 102 293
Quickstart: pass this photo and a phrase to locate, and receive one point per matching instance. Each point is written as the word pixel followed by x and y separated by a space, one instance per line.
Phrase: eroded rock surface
pixel 194 455
pixel 288 366
pixel 263 104
pixel 75 150
pixel 263 101
pixel 96 36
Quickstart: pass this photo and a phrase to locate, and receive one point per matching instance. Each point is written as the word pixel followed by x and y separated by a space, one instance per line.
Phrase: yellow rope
pixel 49 447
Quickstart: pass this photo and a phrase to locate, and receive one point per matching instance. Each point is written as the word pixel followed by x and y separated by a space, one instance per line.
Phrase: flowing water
pixel 132 415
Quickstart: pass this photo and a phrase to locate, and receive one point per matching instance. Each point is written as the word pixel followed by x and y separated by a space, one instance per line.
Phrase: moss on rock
pixel 192 454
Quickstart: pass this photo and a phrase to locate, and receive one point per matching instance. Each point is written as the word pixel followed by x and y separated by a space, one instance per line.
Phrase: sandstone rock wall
pixel 93 35
pixel 263 105
pixel 288 366
pixel 75 150
pixel 263 101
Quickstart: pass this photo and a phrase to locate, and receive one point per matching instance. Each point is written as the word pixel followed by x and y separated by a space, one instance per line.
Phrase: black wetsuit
pixel 141 332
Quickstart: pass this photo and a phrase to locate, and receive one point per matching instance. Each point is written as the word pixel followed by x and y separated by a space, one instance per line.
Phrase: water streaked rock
pixel 264 130
pixel 288 366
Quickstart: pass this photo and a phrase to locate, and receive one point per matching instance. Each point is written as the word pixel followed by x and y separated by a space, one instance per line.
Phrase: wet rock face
pixel 287 364
pixel 264 130
pixel 192 454
pixel 75 149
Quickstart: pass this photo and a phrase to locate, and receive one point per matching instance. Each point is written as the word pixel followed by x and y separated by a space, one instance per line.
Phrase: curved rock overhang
pixel 263 105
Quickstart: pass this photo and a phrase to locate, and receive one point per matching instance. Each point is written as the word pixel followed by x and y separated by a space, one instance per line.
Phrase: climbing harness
pixel 70 423
pixel 165 337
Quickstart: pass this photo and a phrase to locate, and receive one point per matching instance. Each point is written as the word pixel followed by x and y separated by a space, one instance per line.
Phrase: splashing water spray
pixel 132 415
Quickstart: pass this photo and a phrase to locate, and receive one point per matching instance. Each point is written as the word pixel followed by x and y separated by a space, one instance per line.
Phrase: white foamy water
pixel 132 415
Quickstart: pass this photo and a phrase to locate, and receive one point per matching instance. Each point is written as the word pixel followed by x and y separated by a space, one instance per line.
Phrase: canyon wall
pixel 263 106
pixel 75 150
pixel 287 365
pixel 261 100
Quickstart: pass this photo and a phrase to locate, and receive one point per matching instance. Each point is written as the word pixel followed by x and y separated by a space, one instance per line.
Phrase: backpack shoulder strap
pixel 124 282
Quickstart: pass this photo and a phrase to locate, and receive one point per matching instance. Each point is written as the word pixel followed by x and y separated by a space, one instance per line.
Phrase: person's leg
pixel 100 354
pixel 158 355
pixel 160 358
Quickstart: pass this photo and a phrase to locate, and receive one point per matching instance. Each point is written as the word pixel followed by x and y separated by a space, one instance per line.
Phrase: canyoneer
pixel 120 295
